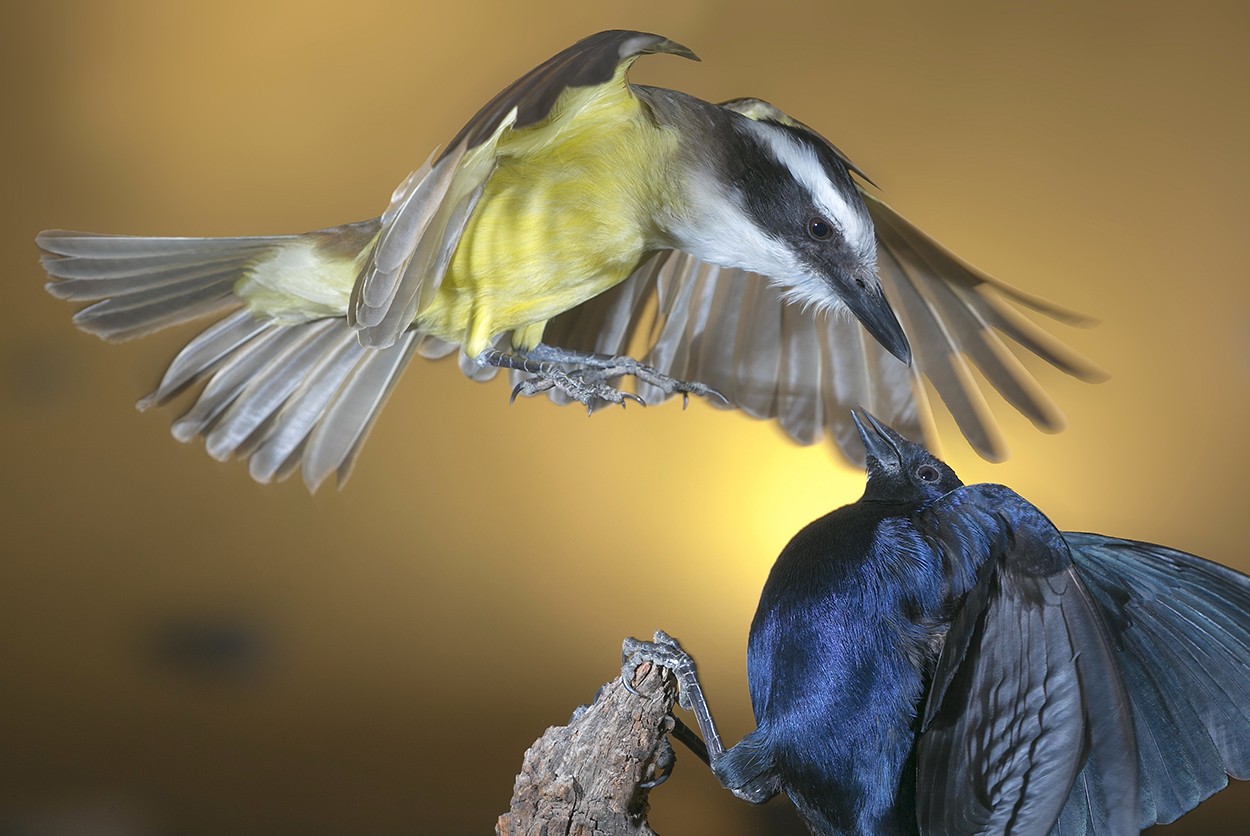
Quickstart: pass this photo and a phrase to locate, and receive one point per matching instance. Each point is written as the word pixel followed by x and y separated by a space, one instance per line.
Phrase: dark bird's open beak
pixel 880 442
pixel 873 310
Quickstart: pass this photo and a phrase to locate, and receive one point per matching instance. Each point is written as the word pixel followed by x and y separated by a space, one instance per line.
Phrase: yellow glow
pixel 472 583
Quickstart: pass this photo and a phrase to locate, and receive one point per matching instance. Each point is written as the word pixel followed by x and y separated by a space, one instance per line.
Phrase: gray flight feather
pixel 332 444
pixel 292 425
pixel 963 327
pixel 269 388
pixel 798 400
pixel 404 224
pixel 757 351
pixel 232 377
pixel 204 352
pixel 934 354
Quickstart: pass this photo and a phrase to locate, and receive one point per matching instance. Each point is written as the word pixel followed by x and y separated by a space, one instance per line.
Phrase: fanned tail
pixel 288 384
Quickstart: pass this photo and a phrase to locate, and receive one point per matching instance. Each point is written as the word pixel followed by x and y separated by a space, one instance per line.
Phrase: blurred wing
pixel 1180 627
pixel 952 314
pixel 731 330
pixel 1026 691
pixel 429 210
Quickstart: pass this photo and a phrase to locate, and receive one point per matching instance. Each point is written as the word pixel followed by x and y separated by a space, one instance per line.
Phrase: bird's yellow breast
pixel 570 211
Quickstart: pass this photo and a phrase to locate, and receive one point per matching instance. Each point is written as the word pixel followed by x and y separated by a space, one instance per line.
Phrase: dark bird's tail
pixel 288 383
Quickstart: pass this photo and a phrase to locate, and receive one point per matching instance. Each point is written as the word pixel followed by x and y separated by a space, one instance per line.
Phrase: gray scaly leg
pixel 584 376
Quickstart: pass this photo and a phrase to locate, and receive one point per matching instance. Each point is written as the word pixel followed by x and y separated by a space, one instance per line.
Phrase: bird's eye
pixel 820 229
pixel 927 473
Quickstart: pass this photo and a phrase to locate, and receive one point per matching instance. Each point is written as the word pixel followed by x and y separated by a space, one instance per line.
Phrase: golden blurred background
pixel 185 652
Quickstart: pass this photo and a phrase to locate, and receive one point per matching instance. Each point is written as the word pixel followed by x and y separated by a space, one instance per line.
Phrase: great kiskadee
pixel 574 216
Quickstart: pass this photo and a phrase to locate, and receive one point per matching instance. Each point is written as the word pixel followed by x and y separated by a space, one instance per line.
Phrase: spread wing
pixel 429 210
pixel 957 317
pixel 1027 694
pixel 1180 629
pixel 732 331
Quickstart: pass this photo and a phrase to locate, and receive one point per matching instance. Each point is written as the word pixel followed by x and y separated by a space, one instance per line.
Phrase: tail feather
pixel 145 284
pixel 203 354
pixel 291 396
pixel 234 375
pixel 283 394
pixel 302 411
pixel 81 281
pixel 335 441
pixel 269 389
pixel 104 247
pixel 144 312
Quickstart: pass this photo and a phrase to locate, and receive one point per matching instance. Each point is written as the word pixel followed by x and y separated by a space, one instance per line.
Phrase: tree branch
pixel 586 778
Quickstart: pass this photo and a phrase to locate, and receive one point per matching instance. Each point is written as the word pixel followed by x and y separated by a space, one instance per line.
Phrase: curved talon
pixel 665 770
pixel 625 678
pixel 665 759
pixel 516 390
pixel 650 785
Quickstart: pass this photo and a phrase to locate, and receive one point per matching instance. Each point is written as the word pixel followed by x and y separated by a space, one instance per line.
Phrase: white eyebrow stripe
pixel 802 161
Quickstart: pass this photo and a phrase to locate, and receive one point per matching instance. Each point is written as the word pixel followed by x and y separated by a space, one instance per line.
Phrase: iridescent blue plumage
pixel 939 658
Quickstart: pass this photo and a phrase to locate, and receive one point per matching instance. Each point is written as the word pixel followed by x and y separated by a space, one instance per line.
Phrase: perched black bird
pixel 939 658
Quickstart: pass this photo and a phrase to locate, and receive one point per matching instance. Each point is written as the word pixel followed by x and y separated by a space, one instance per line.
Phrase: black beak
pixel 871 308
pixel 880 442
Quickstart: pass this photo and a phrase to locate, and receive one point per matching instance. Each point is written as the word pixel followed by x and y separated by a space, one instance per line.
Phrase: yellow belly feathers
pixel 567 214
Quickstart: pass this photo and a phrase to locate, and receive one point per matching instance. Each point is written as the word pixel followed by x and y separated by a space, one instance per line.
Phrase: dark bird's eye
pixel 819 228
pixel 927 473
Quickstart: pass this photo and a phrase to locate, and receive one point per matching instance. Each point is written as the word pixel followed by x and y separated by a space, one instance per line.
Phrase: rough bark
pixel 584 779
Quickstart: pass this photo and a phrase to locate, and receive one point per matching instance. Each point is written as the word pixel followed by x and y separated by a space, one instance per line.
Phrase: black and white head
pixel 791 211
pixel 900 470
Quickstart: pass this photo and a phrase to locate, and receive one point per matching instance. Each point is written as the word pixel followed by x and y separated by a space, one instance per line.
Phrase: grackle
pixel 939 658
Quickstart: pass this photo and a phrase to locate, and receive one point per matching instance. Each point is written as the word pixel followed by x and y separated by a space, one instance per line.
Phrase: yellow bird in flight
pixel 574 216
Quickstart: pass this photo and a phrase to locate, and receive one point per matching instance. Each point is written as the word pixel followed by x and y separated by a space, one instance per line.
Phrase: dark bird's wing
pixel 429 210
pixel 1180 628
pixel 732 331
pixel 1026 695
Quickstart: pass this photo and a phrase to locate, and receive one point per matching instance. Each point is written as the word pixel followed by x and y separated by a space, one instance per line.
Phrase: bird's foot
pixel 669 385
pixel 663 652
pixel 586 386
pixel 586 378
pixel 659 770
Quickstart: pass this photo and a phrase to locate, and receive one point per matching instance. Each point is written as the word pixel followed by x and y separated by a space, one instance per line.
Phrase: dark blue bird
pixel 939 658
